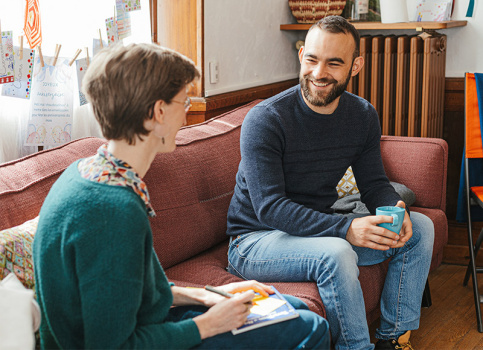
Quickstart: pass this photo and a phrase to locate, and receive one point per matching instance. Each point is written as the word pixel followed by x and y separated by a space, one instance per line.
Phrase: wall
pixel 245 39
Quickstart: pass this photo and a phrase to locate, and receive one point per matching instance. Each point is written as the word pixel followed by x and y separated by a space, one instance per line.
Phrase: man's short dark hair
pixel 336 25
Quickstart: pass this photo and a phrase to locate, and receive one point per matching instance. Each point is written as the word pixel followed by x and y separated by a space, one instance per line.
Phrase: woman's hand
pixel 227 314
pixel 236 287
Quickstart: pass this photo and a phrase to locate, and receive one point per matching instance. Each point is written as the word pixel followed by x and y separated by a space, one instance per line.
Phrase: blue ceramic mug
pixel 397 214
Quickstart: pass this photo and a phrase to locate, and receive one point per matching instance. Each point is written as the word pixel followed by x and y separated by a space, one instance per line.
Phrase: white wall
pixel 244 37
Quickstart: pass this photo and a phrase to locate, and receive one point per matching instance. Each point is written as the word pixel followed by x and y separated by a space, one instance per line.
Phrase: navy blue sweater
pixel 293 159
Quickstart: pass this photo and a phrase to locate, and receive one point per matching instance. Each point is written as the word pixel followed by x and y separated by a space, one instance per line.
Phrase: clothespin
pixel 100 37
pixel 57 51
pixel 20 39
pixel 77 53
pixel 87 56
pixel 40 56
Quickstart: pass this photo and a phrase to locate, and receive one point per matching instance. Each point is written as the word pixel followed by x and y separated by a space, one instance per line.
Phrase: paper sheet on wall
pixel 131 5
pixel 111 29
pixel 96 46
pixel 6 58
pixel 50 121
pixel 123 20
pixel 81 67
pixel 23 70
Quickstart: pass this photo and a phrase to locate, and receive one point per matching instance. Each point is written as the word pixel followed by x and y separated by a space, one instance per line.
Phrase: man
pixel 295 148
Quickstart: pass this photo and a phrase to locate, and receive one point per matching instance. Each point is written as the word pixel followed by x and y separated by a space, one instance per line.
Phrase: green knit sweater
pixel 98 281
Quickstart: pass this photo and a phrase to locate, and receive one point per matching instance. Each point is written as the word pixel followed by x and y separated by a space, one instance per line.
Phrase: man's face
pixel 326 67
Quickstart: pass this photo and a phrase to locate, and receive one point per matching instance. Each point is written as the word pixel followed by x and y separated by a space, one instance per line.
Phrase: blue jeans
pixel 333 264
pixel 308 331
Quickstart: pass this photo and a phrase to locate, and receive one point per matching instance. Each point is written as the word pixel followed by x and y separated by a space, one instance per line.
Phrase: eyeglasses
pixel 186 103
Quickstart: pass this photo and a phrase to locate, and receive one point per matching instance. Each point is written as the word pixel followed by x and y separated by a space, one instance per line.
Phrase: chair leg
pixel 426 296
pixel 476 293
pixel 479 241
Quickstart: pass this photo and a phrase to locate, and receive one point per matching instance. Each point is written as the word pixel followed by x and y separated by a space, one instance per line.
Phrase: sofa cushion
pixel 210 268
pixel 16 252
pixel 191 188
pixel 347 185
pixel 25 182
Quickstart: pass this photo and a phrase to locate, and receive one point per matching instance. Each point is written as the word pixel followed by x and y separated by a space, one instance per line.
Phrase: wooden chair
pixel 474 194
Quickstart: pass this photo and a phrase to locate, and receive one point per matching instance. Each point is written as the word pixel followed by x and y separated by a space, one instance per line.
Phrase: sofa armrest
pixel 420 164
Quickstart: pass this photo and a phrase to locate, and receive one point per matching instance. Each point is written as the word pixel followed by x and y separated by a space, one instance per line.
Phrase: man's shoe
pixel 402 343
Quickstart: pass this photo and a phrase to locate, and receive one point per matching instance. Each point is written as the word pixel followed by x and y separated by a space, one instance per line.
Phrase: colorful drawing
pixel 23 70
pixel 32 28
pixel 123 18
pixel 81 68
pixel 51 106
pixel 434 10
pixel 131 5
pixel 6 58
pixel 111 29
pixel 96 46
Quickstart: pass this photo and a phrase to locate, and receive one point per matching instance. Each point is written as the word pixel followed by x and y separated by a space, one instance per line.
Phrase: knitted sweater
pixel 292 160
pixel 99 283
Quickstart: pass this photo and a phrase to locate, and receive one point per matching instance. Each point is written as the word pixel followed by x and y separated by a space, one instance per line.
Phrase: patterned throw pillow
pixel 16 252
pixel 347 185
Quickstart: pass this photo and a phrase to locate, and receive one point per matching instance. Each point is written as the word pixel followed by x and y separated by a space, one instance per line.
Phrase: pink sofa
pixel 191 189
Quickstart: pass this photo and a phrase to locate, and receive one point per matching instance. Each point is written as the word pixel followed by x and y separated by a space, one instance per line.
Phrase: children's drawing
pixel 81 68
pixel 131 5
pixel 6 58
pixel 23 70
pixel 51 107
pixel 111 29
pixel 32 27
pixel 123 20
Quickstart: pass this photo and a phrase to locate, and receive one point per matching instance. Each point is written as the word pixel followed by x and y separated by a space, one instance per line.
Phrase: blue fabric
pixel 292 159
pixel 471 7
pixel 333 263
pixel 308 331
pixel 475 167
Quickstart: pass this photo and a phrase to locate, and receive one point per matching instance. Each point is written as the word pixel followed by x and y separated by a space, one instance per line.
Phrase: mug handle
pixel 395 220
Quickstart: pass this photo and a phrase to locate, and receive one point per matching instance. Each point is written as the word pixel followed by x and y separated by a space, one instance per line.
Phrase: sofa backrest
pixel 421 164
pixel 25 182
pixel 191 188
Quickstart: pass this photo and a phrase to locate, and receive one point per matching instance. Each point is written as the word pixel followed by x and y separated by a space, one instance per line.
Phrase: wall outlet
pixel 213 72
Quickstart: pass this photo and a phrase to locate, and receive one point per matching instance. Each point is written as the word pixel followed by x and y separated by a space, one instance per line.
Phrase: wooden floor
pixel 450 323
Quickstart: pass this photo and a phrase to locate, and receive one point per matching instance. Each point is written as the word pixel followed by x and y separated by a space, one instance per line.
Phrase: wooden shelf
pixel 418 26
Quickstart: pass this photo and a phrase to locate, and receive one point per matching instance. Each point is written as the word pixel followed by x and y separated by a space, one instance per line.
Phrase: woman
pixel 98 280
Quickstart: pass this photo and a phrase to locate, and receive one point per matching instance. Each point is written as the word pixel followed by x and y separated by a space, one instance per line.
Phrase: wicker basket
pixel 310 11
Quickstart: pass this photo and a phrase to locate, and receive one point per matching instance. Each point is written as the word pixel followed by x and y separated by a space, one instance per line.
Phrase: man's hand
pixel 364 232
pixel 406 229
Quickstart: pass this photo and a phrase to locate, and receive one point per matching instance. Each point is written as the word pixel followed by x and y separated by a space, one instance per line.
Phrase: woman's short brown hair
pixel 123 83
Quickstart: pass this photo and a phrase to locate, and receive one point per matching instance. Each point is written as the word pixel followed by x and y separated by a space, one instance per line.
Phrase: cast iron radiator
pixel 403 77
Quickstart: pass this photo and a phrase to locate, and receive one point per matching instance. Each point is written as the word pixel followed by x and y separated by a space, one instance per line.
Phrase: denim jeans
pixel 333 263
pixel 308 331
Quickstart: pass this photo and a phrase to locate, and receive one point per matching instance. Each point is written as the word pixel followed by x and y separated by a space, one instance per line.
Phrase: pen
pixel 225 294
pixel 218 291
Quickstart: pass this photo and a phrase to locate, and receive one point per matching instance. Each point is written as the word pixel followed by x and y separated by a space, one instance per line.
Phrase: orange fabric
pixel 478 190
pixel 474 148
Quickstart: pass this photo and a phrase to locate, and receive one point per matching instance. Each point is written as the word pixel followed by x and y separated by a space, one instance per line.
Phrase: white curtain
pixel 74 25
pixel 14 113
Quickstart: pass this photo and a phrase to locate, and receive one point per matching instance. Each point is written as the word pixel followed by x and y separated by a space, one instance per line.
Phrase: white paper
pixel 50 121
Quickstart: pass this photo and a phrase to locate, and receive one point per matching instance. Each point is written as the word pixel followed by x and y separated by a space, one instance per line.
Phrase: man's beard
pixel 320 100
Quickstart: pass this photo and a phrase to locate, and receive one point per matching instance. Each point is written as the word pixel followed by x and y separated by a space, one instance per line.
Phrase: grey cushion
pixel 353 204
